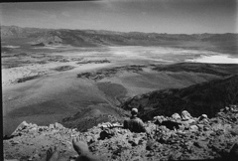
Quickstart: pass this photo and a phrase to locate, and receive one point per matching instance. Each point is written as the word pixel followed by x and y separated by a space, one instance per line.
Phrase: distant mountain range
pixel 94 38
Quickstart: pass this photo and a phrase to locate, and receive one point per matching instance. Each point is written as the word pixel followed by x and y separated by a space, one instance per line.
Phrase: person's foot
pixel 79 146
pixel 52 154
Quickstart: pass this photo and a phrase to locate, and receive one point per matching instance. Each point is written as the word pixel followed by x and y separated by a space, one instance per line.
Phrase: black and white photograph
pixel 119 80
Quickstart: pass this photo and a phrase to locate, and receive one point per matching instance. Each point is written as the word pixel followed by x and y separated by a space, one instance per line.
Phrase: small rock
pixel 200 144
pixel 58 126
pixel 193 128
pixel 159 119
pixel 133 142
pixel 185 115
pixel 51 126
pixel 175 156
pixel 15 142
pixel 107 133
pixel 140 142
pixel 33 129
pixel 176 116
pixel 203 118
pixel 149 145
pixel 188 145
pixel 234 130
pixel 206 128
pixel 170 124
pixel 20 127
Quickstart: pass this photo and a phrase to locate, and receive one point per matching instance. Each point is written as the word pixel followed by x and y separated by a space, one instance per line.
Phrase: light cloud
pixel 161 16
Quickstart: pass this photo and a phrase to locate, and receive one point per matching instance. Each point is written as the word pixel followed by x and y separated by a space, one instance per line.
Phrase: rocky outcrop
pixel 194 138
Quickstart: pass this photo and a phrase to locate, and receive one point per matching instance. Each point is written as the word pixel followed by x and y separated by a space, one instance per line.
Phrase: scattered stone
pixel 194 139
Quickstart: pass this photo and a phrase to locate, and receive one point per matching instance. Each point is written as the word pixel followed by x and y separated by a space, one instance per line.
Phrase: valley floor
pixel 44 88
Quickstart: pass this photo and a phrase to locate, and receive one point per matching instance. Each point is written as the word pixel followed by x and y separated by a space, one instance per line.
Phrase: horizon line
pixel 235 33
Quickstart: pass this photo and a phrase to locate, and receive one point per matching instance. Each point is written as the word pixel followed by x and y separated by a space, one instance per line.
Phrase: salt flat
pixel 220 59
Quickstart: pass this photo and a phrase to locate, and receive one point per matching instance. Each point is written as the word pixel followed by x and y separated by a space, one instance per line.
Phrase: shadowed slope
pixel 202 98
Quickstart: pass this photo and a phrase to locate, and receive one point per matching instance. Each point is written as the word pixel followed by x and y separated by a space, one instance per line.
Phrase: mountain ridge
pixel 93 38
pixel 112 31
pixel 133 33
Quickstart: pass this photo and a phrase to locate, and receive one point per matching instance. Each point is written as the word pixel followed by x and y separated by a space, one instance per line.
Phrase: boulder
pixel 176 116
pixel 159 118
pixel 203 117
pixel 51 126
pixel 185 115
pixel 22 126
pixel 58 126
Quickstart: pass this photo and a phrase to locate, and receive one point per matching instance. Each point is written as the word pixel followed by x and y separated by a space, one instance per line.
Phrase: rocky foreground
pixel 168 138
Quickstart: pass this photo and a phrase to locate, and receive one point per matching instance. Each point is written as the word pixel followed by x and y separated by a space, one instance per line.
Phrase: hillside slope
pixel 206 97
pixel 82 99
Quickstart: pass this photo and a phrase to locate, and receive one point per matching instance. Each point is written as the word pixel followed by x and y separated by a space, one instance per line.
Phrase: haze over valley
pixel 81 77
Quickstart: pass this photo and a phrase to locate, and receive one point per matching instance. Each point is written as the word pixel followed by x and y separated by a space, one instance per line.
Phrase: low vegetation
pixel 206 97
pixel 107 73
pixel 24 79
pixel 63 68
pixel 94 61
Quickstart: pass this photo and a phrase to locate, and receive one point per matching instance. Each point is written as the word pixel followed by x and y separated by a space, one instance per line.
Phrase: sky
pixel 159 16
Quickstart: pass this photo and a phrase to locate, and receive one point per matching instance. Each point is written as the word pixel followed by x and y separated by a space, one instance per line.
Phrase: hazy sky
pixel 161 16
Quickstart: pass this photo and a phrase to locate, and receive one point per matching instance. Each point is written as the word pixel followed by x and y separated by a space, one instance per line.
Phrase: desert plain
pixel 80 82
